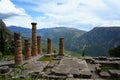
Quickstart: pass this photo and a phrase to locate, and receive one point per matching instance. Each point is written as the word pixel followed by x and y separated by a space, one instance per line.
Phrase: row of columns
pixel 36 46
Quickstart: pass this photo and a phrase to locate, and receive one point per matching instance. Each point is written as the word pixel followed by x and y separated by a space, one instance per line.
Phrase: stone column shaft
pixel 39 45
pixel 18 49
pixel 34 40
pixel 61 46
pixel 49 46
pixel 27 50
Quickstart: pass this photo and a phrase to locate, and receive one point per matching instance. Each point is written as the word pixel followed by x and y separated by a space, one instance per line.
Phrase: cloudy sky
pixel 80 14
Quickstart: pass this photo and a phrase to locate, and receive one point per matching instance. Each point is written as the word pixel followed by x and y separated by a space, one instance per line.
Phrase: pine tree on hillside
pixel 115 51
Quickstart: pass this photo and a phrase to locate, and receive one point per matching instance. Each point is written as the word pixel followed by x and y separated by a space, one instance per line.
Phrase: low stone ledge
pixel 4 69
pixel 114 73
pixel 104 74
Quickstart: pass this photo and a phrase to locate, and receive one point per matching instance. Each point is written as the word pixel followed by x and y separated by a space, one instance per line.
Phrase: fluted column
pixel 61 46
pixel 18 49
pixel 27 50
pixel 39 45
pixel 49 46
pixel 34 40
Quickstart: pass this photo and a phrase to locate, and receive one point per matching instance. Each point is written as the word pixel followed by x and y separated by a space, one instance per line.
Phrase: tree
pixel 115 51
pixel 2 41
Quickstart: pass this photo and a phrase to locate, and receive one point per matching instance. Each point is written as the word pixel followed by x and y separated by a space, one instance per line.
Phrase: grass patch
pixel 46 58
pixel 106 68
pixel 7 57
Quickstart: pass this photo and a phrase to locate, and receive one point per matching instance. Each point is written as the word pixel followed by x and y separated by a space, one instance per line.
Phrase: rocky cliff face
pixel 99 40
pixel 4 28
pixel 2 24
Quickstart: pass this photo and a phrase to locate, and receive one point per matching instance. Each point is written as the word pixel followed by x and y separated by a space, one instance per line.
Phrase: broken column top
pixel 33 23
pixel 17 35
pixel 38 36
pixel 61 38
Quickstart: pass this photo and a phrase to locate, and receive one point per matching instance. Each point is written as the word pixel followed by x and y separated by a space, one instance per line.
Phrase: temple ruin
pixel 18 49
pixel 39 44
pixel 61 46
pixel 55 66
pixel 34 40
pixel 49 46
pixel 27 49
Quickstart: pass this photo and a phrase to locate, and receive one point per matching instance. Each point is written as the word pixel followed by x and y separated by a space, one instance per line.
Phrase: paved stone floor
pixel 72 66
pixel 59 68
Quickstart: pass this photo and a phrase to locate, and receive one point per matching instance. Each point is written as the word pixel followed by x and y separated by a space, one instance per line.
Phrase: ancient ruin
pixel 27 50
pixel 18 49
pixel 52 66
pixel 49 46
pixel 39 44
pixel 34 40
pixel 61 46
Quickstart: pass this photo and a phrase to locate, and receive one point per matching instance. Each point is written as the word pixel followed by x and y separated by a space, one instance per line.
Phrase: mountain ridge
pixel 98 40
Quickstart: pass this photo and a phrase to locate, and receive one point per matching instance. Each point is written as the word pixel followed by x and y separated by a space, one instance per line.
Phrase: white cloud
pixel 73 13
pixel 13 15
pixel 82 14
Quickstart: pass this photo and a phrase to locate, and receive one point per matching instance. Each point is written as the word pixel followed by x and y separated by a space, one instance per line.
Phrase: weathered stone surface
pixel 85 73
pixel 78 79
pixel 34 40
pixel 49 46
pixel 70 76
pixel 104 74
pixel 36 66
pixel 4 69
pixel 97 67
pixel 108 63
pixel 18 49
pixel 88 59
pixel 72 66
pixel 54 77
pixel 39 44
pixel 61 46
pixel 27 50
pixel 114 73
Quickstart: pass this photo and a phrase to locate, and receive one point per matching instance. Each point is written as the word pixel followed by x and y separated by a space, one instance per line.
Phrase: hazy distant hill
pixel 98 41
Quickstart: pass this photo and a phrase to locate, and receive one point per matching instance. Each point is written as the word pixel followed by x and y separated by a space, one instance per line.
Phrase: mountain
pixel 69 34
pixel 4 28
pixel 53 33
pixel 26 32
pixel 5 37
pixel 98 41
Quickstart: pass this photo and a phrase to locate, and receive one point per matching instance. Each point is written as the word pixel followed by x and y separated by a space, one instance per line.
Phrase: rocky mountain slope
pixel 96 42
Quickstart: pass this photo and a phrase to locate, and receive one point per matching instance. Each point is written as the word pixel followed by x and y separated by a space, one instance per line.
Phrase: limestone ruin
pixel 39 44
pixel 27 50
pixel 49 46
pixel 61 66
pixel 18 49
pixel 61 46
pixel 34 40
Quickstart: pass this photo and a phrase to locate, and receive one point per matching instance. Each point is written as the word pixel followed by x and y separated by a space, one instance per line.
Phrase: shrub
pixel 0 54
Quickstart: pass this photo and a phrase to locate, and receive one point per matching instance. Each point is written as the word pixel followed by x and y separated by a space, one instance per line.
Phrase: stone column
pixel 34 40
pixel 39 45
pixel 61 46
pixel 18 49
pixel 49 46
pixel 27 50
